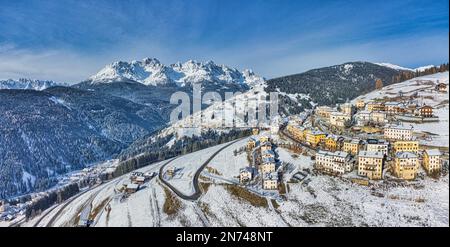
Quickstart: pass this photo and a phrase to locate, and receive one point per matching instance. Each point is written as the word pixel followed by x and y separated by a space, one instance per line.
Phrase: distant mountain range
pixel 27 84
pixel 150 71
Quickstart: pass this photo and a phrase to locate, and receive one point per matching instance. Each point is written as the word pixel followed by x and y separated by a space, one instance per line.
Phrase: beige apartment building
pixel 352 146
pixel 432 160
pixel 406 146
pixel 406 165
pixel 370 164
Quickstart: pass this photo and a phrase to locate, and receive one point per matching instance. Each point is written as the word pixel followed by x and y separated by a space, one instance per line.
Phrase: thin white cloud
pixel 267 59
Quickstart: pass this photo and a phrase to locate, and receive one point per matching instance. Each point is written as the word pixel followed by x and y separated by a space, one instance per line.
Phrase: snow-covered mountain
pixel 150 71
pixel 397 67
pixel 27 84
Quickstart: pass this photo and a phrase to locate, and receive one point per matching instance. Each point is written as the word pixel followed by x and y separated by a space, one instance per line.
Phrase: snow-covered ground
pixel 186 166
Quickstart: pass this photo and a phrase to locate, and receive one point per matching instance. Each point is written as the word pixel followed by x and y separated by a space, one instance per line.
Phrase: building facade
pixel 352 146
pixel 406 165
pixel 370 164
pixel 432 160
pixel 398 132
pixel 406 146
pixel 333 162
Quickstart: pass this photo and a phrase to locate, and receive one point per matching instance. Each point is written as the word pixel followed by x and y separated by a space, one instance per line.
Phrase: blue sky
pixel 71 40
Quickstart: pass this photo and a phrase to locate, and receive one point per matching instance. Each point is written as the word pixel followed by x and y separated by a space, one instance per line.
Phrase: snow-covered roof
pixel 266 144
pixel 268 152
pixel 392 103
pixel 355 141
pixel 337 153
pixel 377 142
pixel 132 186
pixel 270 176
pixel 405 155
pixel 246 169
pixel 317 132
pixel 401 127
pixel 433 152
pixel 371 154
pixel 268 160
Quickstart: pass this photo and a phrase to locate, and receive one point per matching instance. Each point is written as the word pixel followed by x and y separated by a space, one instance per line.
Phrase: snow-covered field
pixel 186 167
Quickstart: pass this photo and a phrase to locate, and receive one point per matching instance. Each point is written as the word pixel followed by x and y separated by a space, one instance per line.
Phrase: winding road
pixel 197 190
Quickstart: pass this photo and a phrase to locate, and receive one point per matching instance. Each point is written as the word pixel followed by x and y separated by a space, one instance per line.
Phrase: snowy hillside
pixel 422 86
pixel 150 71
pixel 325 201
pixel 27 84
pixel 221 116
pixel 397 67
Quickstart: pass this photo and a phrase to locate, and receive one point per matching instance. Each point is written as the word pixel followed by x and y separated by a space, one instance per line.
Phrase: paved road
pixel 197 190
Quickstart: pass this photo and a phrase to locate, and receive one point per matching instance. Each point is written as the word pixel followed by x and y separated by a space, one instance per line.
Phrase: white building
pixel 334 162
pixel 362 118
pixel 398 132
pixel 338 118
pixel 378 146
pixel 270 181
pixel 432 160
pixel 245 174
pixel 378 117
pixel 267 166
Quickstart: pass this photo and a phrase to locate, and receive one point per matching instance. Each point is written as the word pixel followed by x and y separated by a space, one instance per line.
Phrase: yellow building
pixel 263 139
pixel 315 137
pixel 406 165
pixel 432 161
pixel 375 106
pixel 251 144
pixel 331 143
pixel 351 147
pixel 323 111
pixel 360 104
pixel 297 132
pixel 406 146
pixel 370 164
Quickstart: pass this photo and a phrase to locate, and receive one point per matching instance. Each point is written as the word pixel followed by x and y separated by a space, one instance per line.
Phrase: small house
pixel 425 111
pixel 245 174
pixel 139 180
pixel 441 87
pixel 132 188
